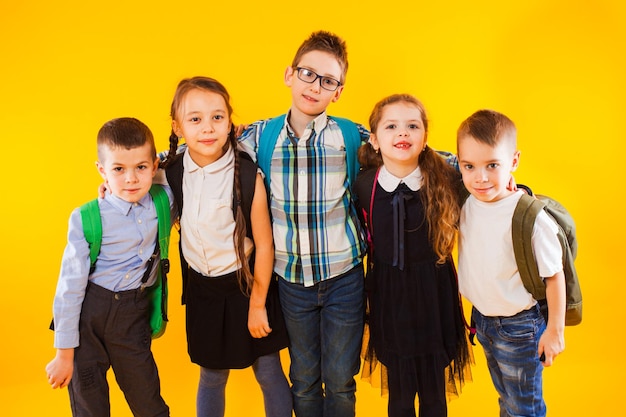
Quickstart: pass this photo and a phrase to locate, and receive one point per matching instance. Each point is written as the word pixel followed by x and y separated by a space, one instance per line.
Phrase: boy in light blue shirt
pixel 101 317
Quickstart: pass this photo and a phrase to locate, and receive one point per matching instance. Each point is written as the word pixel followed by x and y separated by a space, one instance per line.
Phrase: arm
pixel 258 324
pixel 552 341
pixel 61 368
pixel 68 301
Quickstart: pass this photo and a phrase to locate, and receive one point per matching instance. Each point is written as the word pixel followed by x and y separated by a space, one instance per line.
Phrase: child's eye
pixel 492 165
pixel 218 117
pixel 194 119
pixel 390 126
pixel 142 167
pixel 118 169
pixel 468 167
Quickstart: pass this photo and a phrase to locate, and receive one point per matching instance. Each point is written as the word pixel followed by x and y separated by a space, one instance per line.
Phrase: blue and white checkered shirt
pixel 316 231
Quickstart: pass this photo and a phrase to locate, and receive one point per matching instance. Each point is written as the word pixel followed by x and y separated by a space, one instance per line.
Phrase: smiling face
pixel 128 172
pixel 487 169
pixel 203 120
pixel 400 137
pixel 310 99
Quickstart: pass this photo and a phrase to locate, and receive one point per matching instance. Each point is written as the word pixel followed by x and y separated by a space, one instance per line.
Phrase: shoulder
pixel 364 182
pixel 344 123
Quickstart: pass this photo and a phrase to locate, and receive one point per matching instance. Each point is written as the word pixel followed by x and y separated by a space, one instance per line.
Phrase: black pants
pixel 115 332
pixel 430 387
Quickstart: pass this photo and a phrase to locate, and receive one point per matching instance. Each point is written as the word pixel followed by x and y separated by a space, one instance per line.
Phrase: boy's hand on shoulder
pixel 551 344
pixel 61 368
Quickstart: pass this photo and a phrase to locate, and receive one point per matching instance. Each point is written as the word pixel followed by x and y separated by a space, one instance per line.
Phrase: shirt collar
pixel 390 182
pixel 124 206
pixel 317 125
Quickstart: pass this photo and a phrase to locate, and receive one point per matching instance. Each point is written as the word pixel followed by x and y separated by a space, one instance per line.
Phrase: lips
pixel 402 145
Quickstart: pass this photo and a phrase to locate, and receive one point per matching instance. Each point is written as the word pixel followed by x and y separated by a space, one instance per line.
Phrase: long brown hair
pixel 244 273
pixel 440 185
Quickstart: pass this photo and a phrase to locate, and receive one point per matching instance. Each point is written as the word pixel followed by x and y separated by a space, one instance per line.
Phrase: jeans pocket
pixel 517 329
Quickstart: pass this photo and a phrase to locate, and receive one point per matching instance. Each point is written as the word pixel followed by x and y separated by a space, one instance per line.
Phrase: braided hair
pixel 244 273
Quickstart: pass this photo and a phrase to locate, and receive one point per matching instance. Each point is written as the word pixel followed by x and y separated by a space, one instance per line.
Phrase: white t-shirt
pixel 207 222
pixel 488 275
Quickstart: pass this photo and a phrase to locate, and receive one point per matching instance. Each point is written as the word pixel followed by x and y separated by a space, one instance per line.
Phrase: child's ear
pixel 156 166
pixel 101 170
pixel 374 142
pixel 288 76
pixel 176 129
pixel 337 93
pixel 516 157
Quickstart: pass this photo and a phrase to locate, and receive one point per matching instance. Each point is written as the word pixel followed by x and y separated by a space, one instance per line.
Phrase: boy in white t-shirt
pixel 514 335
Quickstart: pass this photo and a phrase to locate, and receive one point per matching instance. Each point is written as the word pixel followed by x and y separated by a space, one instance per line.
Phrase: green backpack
pixel 524 217
pixel 92 228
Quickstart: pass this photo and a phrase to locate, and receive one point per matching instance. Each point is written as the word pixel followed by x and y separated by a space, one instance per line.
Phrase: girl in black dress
pixel 408 200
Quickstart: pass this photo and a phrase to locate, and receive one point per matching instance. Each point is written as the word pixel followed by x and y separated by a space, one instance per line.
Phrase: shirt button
pixel 302 172
pixel 140 251
pixel 117 296
pixel 127 276
pixel 139 221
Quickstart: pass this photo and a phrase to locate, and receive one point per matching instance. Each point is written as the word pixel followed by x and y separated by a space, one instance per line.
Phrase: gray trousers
pixel 115 333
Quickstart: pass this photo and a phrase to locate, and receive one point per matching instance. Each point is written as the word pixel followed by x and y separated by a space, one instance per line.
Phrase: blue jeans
pixel 325 327
pixel 510 345
pixel 269 374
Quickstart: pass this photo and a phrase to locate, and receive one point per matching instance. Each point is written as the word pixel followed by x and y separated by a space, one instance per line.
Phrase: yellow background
pixel 555 67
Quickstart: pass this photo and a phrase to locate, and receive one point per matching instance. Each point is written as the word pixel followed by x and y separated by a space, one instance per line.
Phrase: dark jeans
pixel 115 332
pixel 325 327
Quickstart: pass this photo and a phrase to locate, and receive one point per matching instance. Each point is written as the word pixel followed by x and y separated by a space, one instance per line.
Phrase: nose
pixel 481 176
pixel 317 84
pixel 207 126
pixel 131 176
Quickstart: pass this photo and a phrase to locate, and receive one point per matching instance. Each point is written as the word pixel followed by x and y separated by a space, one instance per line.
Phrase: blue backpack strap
pixel 269 137
pixel 92 228
pixel 352 140
pixel 267 144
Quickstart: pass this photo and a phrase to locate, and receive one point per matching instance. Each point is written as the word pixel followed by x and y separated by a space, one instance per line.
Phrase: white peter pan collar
pixel 390 182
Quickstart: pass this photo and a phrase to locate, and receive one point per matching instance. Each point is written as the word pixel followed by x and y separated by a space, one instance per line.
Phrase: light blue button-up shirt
pixel 129 232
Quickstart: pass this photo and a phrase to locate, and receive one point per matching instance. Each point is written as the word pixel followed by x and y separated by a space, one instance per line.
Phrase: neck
pixel 299 121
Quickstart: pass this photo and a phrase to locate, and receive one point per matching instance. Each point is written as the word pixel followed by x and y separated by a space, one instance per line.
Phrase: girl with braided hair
pixel 234 319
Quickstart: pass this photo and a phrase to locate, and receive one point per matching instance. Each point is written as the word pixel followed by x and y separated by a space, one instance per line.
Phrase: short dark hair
pixel 325 42
pixel 488 127
pixel 124 132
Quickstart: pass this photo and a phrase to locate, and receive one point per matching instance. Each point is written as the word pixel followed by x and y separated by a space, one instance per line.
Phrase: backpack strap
pixel 271 131
pixel 352 141
pixel 162 205
pixel 267 144
pixel 247 179
pixel 92 228
pixel 523 222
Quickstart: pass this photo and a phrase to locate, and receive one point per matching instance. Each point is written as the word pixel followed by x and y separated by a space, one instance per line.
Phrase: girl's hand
pixel 258 324
pixel 103 189
pixel 61 368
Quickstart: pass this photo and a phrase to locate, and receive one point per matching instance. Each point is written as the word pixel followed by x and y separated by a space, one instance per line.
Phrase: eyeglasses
pixel 308 76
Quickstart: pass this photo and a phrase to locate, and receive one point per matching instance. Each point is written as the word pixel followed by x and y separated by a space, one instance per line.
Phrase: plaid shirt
pixel 317 234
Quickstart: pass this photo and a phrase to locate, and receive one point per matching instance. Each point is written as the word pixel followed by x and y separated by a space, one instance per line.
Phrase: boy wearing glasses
pixel 317 235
